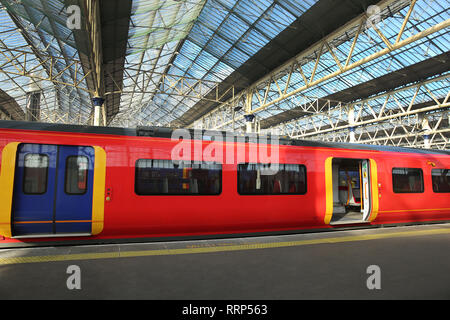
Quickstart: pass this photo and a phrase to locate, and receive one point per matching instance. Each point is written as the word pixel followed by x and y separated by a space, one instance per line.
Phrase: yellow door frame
pixel 329 189
pixel 7 174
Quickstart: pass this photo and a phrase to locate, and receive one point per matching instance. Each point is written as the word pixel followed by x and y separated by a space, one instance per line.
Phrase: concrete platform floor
pixel 413 261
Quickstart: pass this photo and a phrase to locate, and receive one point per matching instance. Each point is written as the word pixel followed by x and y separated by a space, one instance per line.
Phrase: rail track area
pixel 408 262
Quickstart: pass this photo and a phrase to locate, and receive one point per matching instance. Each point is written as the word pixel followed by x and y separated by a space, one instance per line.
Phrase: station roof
pixel 163 61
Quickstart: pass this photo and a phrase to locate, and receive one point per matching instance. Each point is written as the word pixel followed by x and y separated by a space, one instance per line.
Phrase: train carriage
pixel 82 184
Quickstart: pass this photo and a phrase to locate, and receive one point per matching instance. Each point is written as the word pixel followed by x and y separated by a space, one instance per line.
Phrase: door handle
pixel 365 190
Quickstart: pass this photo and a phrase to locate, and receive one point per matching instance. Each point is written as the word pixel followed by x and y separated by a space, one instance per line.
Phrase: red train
pixel 79 184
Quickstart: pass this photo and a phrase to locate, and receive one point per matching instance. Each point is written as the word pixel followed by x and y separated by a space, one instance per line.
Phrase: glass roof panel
pixel 226 34
pixel 206 40
pixel 369 43
pixel 44 25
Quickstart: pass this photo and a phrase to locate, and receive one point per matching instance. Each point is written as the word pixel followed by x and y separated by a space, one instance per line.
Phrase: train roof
pixel 162 132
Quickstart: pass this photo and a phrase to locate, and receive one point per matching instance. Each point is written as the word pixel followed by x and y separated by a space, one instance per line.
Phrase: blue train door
pixel 53 189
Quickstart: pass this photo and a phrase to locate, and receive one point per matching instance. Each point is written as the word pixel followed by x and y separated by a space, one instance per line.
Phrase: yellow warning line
pixel 219 248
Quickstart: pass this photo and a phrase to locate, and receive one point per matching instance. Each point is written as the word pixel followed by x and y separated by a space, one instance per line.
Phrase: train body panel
pixel 409 207
pixel 128 214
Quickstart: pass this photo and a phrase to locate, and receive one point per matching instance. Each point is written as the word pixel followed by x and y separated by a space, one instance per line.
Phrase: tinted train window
pixel 441 180
pixel 35 173
pixel 407 180
pixel 164 177
pixel 257 178
pixel 76 174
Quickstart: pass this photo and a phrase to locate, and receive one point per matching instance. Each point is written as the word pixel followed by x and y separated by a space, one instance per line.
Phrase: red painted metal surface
pixel 128 215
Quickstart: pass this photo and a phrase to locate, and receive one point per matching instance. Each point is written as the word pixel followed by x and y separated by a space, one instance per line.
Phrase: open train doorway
pixel 351 191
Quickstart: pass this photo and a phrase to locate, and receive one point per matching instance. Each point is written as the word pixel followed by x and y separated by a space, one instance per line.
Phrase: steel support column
pixel 96 57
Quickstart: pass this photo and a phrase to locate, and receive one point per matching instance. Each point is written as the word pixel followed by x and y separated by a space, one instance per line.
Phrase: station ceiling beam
pixel 303 32
pixel 387 118
pixel 411 74
pixel 276 86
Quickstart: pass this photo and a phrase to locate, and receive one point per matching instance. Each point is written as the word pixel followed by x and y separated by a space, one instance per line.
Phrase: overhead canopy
pixel 177 63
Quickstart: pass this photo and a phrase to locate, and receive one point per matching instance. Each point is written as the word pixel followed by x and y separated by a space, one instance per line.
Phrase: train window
pixel 261 179
pixel 165 177
pixel 407 180
pixel 35 173
pixel 441 180
pixel 76 175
